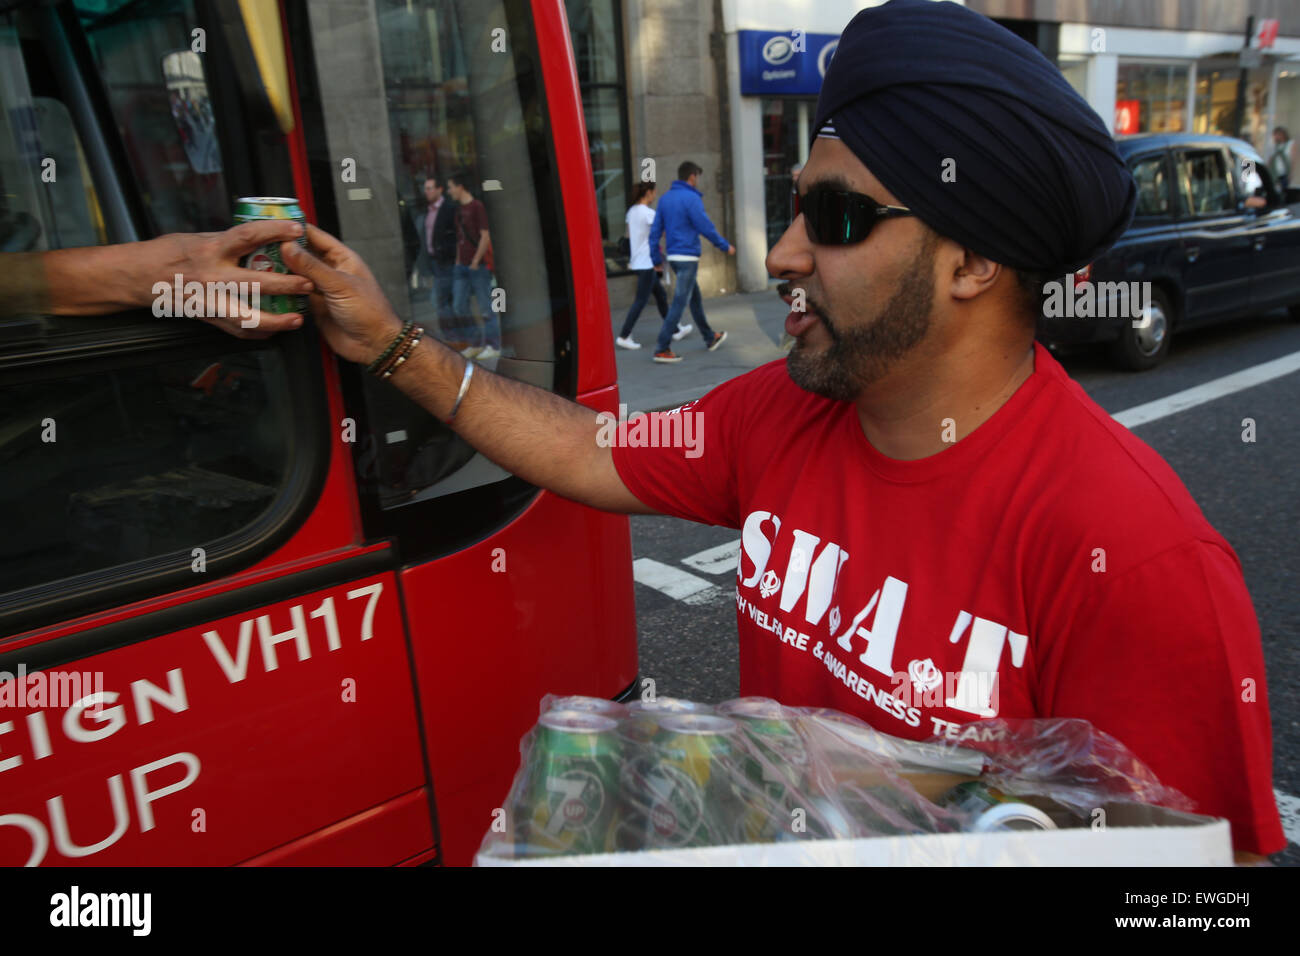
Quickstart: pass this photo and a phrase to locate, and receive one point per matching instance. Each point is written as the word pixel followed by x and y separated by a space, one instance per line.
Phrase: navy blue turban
pixel 1039 185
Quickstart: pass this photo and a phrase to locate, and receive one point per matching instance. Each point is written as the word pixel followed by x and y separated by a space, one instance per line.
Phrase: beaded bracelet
pixel 378 363
pixel 401 355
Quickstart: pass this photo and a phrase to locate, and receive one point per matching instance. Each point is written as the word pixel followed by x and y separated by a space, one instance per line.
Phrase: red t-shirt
pixel 471 220
pixel 1049 564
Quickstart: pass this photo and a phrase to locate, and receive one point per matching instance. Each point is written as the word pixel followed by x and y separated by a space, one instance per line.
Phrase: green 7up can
pixel 267 258
pixel 776 762
pixel 573 784
pixel 679 790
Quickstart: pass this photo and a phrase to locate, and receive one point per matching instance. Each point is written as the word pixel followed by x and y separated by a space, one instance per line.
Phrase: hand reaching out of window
pixel 105 279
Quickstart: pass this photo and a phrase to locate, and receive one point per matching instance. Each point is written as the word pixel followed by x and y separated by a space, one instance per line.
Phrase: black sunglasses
pixel 835 217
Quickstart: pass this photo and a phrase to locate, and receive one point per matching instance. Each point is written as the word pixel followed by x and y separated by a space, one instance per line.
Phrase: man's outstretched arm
pixel 543 438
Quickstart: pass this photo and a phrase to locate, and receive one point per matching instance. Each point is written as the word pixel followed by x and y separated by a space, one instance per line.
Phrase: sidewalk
pixel 753 322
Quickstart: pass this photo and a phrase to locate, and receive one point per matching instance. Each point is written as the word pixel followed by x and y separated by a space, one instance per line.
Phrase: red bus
pixel 257 607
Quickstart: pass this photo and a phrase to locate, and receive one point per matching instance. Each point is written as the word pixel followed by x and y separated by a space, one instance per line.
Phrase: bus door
pixel 201 659
pixel 509 593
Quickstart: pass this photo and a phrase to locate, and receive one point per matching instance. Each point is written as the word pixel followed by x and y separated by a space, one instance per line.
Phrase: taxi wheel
pixel 1145 343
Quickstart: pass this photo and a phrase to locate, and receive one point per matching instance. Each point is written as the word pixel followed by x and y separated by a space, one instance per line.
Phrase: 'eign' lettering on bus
pixel 100 715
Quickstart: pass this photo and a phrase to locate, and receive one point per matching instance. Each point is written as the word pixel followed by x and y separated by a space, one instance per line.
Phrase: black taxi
pixel 1213 238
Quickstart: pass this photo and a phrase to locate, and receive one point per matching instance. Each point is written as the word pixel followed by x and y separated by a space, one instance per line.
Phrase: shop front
pixel 1168 81
pixel 774 99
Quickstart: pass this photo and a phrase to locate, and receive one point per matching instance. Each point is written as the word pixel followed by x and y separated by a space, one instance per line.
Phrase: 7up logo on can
pixel 573 770
pixel 573 800
pixel 268 258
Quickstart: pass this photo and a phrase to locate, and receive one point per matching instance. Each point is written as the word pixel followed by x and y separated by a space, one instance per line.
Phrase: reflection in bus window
pixel 47 200
pixel 187 94
pixel 102 469
pixel 476 336
pixel 179 194
pixel 454 102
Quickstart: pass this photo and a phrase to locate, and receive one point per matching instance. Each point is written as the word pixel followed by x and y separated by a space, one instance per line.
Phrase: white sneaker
pixel 627 343
pixel 682 331
pixel 488 353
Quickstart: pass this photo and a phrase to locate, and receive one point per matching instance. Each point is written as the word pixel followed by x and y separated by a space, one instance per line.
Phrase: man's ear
pixel 974 275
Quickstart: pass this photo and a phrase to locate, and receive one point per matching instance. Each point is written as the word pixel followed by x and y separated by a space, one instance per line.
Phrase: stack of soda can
pixel 600 777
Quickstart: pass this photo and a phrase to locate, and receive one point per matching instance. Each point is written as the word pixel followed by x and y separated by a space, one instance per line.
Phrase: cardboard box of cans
pixel 1138 835
pixel 616 788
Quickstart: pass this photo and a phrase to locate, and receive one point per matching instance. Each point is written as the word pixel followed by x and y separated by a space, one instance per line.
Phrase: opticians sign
pixel 783 64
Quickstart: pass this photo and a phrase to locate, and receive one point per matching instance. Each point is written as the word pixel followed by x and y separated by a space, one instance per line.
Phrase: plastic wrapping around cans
pixel 1066 762
pixel 644 716
pixel 567 795
pixel 681 787
pixel 682 779
pixel 779 763
pixel 593 705
pixel 664 706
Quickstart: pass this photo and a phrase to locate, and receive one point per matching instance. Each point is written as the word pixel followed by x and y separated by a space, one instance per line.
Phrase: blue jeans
pixel 440 296
pixel 687 290
pixel 647 282
pixel 478 281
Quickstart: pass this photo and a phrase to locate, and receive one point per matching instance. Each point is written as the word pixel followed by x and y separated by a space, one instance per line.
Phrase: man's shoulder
pixel 769 378
pixel 672 199
pixel 680 195
pixel 767 393
pixel 1097 481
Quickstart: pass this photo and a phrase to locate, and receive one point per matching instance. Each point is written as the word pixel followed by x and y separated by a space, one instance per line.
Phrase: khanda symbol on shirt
pixel 925 676
pixel 769 585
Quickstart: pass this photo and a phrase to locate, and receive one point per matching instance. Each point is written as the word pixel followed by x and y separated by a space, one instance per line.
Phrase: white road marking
pixel 715 560
pixel 679 585
pixel 1289 809
pixel 1219 387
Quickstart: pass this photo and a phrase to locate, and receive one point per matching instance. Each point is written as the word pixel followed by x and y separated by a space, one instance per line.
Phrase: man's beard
pixel 861 355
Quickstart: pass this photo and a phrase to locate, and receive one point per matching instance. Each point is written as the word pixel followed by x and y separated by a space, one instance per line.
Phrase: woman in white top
pixel 640 217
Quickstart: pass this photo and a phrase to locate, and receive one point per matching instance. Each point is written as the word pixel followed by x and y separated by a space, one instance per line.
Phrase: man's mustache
pixel 786 288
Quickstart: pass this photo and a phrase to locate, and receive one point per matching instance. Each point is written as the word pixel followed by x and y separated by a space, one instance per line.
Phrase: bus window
pixel 166 125
pixel 436 88
pixel 191 108
pixel 107 468
pixel 138 452
pixel 47 200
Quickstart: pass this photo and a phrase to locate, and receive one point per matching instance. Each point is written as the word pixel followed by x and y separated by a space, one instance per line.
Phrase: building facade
pixel 732 85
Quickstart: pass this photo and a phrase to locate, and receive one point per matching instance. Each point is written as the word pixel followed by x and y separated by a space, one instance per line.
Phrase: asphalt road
pixel 1246 490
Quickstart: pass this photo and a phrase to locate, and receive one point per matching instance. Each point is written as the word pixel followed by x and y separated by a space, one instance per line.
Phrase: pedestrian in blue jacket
pixel 682 220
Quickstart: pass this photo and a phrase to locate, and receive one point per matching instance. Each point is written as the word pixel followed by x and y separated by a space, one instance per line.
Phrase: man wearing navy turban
pixel 937 526
pixel 939 110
